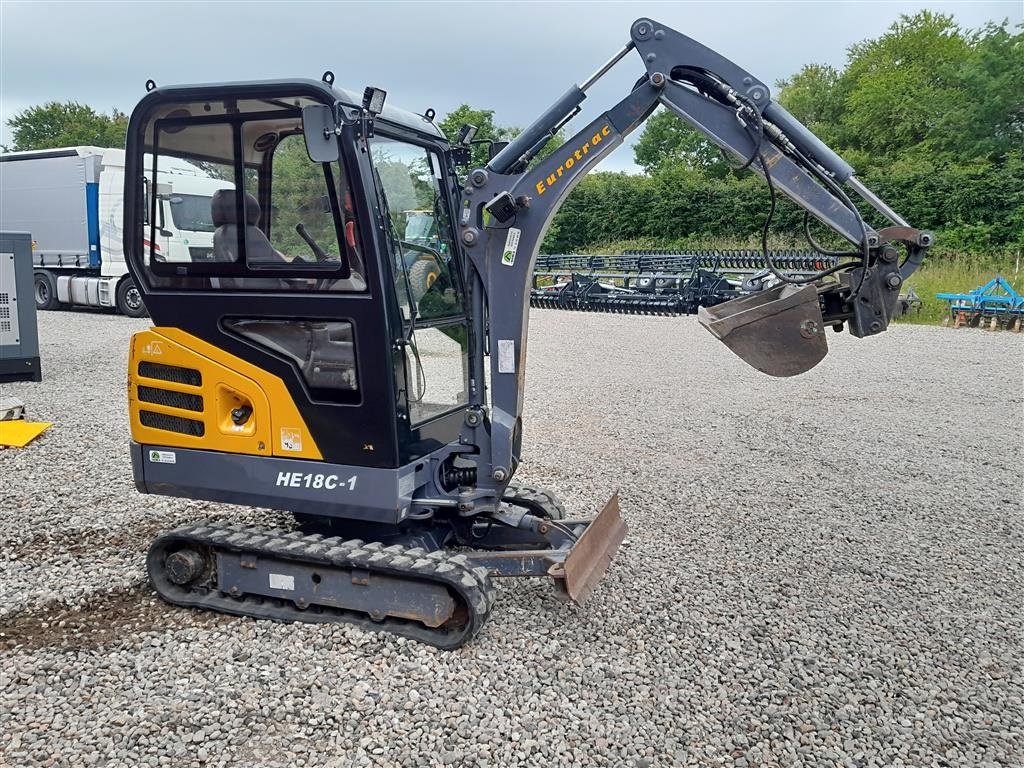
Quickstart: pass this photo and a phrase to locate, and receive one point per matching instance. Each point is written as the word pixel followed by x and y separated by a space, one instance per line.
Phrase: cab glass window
pixel 422 249
pixel 239 205
pixel 437 371
pixel 323 350
pixel 191 213
pixel 301 202
pixel 434 374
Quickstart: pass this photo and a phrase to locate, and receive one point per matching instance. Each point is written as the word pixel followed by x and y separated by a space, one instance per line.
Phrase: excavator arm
pixel 507 206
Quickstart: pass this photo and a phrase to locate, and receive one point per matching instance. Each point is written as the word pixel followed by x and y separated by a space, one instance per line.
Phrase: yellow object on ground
pixel 19 433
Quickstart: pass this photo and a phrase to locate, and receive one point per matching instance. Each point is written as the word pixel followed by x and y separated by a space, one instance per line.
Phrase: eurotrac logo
pixel 577 156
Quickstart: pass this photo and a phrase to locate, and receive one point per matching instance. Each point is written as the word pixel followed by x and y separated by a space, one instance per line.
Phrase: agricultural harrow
pixel 661 282
pixel 994 305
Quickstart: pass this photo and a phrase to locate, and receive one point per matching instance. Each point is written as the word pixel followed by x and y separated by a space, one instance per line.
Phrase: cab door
pixel 432 377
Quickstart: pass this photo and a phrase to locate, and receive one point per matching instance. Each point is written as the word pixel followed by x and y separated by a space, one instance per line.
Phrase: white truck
pixel 72 202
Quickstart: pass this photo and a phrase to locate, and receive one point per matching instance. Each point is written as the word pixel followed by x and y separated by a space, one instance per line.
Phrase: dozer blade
pixel 591 555
pixel 778 331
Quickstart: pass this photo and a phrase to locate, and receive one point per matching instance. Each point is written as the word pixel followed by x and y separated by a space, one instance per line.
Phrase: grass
pixel 943 271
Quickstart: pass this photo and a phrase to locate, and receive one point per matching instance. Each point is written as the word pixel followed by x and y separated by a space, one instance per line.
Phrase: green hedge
pixel 973 208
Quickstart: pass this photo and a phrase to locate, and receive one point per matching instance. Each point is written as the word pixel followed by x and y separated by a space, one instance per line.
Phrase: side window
pixel 301 203
pixel 437 366
pixel 435 372
pixel 235 203
pixel 410 177
pixel 181 223
pixel 324 351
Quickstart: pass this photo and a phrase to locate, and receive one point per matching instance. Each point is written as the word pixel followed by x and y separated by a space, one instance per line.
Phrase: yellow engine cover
pixel 182 391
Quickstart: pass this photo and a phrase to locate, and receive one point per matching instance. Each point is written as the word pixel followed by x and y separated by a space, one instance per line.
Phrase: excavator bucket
pixel 779 331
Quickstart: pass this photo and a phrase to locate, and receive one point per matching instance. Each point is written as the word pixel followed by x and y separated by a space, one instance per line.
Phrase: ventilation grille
pixel 171 373
pixel 170 423
pixel 182 400
pixel 5 313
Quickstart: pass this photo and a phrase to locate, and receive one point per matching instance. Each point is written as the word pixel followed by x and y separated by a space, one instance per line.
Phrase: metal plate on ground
pixel 593 552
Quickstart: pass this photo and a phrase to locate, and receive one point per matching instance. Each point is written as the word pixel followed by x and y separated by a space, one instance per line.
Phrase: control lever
pixel 316 249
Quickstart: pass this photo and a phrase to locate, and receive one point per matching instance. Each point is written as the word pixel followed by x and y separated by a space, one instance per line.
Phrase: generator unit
pixel 19 334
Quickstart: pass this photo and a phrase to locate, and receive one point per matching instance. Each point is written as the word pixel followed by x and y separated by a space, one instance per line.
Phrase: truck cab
pixel 184 228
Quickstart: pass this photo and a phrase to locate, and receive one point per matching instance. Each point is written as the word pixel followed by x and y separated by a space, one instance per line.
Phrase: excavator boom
pixel 508 205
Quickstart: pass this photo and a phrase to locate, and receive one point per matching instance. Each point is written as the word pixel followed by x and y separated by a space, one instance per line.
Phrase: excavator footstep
pixel 779 331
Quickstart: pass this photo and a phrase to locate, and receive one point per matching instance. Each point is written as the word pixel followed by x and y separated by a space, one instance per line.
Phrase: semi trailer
pixel 72 201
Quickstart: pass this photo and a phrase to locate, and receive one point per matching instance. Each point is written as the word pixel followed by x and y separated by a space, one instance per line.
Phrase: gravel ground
pixel 824 570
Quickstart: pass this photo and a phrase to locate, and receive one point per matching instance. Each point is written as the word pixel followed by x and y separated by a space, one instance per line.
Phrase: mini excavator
pixel 310 357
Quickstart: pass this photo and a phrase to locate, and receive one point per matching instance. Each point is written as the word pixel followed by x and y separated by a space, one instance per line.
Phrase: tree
pixel 66 124
pixel 897 89
pixel 925 90
pixel 989 120
pixel 483 119
pixel 668 141
pixel 811 96
pixel 487 130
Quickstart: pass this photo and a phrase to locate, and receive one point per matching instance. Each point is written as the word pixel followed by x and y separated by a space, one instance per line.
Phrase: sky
pixel 515 58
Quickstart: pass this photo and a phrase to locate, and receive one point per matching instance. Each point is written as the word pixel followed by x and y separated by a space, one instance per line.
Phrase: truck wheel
pixel 46 291
pixel 129 299
pixel 422 275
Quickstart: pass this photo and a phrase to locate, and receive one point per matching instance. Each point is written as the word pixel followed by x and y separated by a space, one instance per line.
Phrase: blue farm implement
pixel 994 305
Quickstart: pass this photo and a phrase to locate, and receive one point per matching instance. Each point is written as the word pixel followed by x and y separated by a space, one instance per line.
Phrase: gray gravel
pixel 824 570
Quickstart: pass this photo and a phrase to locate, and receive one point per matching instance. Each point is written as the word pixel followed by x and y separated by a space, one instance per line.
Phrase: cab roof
pixel 301 86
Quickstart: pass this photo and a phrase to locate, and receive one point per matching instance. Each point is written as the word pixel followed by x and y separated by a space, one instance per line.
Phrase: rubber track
pixel 471 586
pixel 538 500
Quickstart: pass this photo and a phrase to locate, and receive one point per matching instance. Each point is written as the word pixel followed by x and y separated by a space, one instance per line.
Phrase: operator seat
pixel 224 211
pixel 258 250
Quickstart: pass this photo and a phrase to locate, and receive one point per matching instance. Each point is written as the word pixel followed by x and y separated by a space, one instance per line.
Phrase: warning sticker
pixel 291 439
pixel 153 348
pixel 508 256
pixel 506 356
pixel 163 457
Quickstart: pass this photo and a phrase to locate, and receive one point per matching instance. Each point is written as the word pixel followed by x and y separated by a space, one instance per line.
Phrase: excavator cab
pixel 305 282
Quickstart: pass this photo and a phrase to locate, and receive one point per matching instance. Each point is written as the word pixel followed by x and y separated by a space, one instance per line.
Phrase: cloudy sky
pixel 514 58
